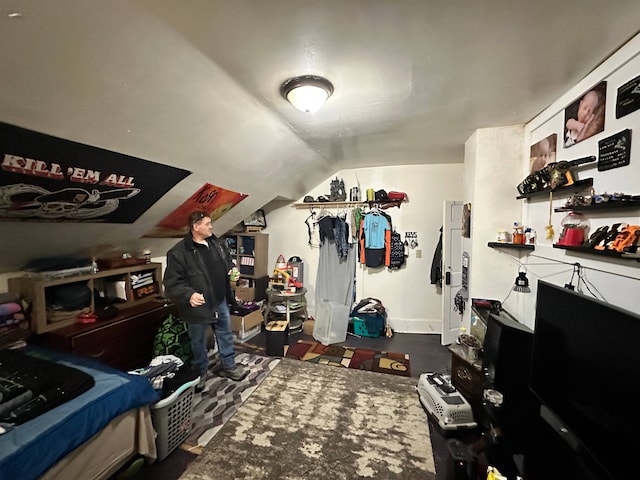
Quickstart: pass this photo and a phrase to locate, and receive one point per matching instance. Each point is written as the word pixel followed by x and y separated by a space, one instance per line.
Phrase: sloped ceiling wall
pixel 111 94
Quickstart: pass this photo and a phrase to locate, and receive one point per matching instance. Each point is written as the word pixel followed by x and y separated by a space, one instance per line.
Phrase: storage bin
pixel 171 418
pixel 331 322
pixel 368 325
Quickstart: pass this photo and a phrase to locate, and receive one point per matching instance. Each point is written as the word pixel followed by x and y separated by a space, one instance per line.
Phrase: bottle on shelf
pixel 518 234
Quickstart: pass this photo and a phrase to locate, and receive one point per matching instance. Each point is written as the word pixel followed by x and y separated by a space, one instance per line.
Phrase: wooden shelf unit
pixel 33 289
pixel 250 253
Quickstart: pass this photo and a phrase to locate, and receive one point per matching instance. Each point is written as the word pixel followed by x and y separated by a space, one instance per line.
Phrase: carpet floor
pixel 350 357
pixel 222 397
pixel 308 421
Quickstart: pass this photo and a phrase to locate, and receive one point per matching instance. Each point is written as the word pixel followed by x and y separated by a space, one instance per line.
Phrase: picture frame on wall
pixel 584 118
pixel 543 153
pixel 256 219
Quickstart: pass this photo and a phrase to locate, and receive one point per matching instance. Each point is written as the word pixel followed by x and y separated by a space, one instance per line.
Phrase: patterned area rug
pixel 222 397
pixel 349 357
pixel 307 421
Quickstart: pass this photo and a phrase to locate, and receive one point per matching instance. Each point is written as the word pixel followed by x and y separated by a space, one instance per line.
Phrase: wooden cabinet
pixel 467 377
pixel 124 342
pixel 133 284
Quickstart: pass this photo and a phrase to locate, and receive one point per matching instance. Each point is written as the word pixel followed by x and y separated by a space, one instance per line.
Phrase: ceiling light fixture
pixel 308 93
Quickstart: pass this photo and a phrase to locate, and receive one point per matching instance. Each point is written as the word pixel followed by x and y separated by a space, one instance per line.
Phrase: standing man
pixel 197 280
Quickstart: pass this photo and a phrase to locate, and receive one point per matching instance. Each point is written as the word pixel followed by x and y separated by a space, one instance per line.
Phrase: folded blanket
pixel 9 308
pixel 40 384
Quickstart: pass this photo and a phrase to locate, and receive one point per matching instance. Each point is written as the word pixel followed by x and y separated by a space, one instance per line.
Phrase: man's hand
pixel 196 299
pixel 234 274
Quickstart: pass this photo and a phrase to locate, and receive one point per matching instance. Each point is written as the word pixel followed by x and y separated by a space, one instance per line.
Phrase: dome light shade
pixel 307 93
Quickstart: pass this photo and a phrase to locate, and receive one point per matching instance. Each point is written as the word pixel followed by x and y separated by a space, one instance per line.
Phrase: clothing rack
pixel 386 203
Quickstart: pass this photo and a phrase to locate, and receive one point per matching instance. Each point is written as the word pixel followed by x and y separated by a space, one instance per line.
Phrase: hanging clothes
pixel 396 252
pixel 375 239
pixel 334 280
pixel 436 264
pixel 340 237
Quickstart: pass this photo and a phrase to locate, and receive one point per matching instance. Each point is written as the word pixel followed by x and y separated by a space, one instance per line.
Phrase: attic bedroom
pixel 143 141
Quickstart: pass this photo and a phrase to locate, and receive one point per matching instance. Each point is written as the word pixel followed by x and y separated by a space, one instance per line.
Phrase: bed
pixel 88 437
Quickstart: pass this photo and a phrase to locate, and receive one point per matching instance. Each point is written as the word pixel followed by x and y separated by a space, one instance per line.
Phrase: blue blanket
pixel 28 450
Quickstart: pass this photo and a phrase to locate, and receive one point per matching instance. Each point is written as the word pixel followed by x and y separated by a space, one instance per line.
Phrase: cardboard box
pixel 242 325
pixel 246 294
pixel 307 326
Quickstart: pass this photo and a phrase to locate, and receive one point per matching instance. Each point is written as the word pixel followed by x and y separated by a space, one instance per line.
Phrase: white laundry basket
pixel 172 419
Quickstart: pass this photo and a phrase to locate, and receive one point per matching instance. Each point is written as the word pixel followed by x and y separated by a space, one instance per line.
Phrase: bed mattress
pixel 29 449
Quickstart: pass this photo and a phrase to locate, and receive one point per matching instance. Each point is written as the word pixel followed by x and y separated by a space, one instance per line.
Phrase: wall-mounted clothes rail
pixel 381 203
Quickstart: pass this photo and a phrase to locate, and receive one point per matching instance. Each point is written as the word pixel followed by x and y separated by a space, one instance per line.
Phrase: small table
pixel 291 305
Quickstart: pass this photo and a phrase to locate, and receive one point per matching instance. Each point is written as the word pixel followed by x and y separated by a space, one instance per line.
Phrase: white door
pixel 451 270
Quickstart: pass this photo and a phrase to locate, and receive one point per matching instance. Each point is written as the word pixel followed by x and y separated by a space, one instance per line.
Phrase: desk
pixel 287 305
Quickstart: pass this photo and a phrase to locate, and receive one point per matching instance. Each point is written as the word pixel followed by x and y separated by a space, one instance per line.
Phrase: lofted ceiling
pixel 195 84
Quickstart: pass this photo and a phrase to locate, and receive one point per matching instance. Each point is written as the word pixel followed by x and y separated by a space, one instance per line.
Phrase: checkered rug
pixel 222 397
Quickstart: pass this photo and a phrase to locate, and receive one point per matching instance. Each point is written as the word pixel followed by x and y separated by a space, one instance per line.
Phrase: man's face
pixel 203 228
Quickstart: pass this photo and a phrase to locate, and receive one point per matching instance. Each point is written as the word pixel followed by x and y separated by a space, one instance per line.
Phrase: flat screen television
pixel 585 370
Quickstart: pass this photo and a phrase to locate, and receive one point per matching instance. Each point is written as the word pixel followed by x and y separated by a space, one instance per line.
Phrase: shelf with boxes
pixel 131 285
pixel 249 252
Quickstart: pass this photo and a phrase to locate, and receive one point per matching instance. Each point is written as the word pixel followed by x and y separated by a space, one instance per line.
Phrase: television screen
pixel 585 371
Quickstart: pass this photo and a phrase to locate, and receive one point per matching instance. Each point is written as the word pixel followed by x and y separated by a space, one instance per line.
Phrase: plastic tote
pixel 172 419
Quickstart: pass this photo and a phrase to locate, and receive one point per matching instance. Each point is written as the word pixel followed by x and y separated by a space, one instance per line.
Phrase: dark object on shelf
pixel 520 246
pixel 256 219
pixel 552 176
pixel 338 192
pixel 610 205
pixel 574 187
pixel 597 237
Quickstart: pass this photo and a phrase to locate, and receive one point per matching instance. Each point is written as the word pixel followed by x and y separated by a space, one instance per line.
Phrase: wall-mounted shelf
pixel 604 253
pixel 574 187
pixel 517 246
pixel 611 205
pixel 385 203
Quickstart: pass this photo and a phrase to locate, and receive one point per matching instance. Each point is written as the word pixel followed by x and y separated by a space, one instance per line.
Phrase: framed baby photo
pixel 584 118
pixel 543 153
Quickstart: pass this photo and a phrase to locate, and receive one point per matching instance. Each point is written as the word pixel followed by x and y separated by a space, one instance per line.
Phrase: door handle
pixel 447 278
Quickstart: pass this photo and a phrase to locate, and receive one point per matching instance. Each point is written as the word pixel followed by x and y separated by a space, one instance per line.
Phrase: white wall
pixel 614 280
pixel 492 171
pixel 412 303
pixel 610 279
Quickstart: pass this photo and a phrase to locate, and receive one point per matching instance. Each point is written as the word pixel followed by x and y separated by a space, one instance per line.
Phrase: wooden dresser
pixel 124 342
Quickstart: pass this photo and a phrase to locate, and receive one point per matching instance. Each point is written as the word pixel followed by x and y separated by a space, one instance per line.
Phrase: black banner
pixel 44 178
pixel 628 99
pixel 614 151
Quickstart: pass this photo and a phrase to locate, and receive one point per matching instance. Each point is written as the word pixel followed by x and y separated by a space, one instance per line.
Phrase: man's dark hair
pixel 196 216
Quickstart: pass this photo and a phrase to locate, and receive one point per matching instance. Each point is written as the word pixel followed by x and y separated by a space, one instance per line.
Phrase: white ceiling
pixel 195 83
